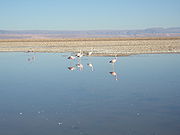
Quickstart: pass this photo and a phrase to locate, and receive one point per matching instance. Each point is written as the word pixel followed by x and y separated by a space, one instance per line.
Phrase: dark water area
pixel 47 94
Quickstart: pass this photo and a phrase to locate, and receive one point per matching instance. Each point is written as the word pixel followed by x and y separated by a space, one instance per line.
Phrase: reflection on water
pixel 80 66
pixel 31 56
pixel 71 68
pixel 42 96
pixel 91 66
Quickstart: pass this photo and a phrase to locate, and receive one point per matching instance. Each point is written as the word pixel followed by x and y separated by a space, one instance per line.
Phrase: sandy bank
pixel 101 46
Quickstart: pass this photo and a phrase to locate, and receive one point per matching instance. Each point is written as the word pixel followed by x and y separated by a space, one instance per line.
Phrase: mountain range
pixel 53 34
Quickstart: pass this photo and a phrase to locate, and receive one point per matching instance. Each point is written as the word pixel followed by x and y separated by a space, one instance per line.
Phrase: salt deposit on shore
pixel 106 46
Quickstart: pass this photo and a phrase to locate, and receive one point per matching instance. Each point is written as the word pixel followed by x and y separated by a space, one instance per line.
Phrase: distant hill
pixel 48 34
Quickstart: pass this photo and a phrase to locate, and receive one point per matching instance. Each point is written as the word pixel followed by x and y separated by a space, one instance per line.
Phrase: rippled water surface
pixel 47 94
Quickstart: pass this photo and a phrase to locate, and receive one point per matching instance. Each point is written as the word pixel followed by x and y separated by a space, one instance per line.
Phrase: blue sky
pixel 88 14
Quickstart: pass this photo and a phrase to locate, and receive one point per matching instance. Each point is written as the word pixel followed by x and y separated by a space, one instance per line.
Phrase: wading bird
pixel 90 53
pixel 71 57
pixel 80 54
pixel 113 60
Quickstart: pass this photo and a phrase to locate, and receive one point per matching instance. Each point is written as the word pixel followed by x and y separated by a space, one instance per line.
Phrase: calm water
pixel 39 95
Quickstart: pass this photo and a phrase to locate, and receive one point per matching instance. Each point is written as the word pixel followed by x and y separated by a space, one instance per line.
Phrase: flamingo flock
pixel 80 66
pixel 79 55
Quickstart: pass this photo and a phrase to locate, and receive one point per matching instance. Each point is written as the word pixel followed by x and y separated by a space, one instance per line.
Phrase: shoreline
pixel 100 46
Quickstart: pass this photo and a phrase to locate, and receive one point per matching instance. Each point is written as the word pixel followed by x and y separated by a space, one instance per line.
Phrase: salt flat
pixel 100 46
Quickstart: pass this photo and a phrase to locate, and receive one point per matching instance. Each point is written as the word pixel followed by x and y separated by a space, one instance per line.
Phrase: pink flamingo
pixel 113 60
pixel 71 57
pixel 79 54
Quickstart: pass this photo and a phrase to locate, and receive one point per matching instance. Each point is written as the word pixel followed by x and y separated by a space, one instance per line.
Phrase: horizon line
pixel 87 29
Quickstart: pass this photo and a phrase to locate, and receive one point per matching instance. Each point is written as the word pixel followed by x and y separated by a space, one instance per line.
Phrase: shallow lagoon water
pixel 40 95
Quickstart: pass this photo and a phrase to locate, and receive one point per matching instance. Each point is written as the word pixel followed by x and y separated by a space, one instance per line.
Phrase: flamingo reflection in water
pixel 90 63
pixel 71 57
pixel 31 58
pixel 91 66
pixel 71 68
pixel 79 65
pixel 113 73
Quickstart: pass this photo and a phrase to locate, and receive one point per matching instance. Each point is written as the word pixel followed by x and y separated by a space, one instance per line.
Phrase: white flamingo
pixel 90 53
pixel 80 54
pixel 113 60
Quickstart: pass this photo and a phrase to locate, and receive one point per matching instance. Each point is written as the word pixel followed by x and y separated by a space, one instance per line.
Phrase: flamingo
pixel 90 53
pixel 79 54
pixel 71 57
pixel 30 50
pixel 113 60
